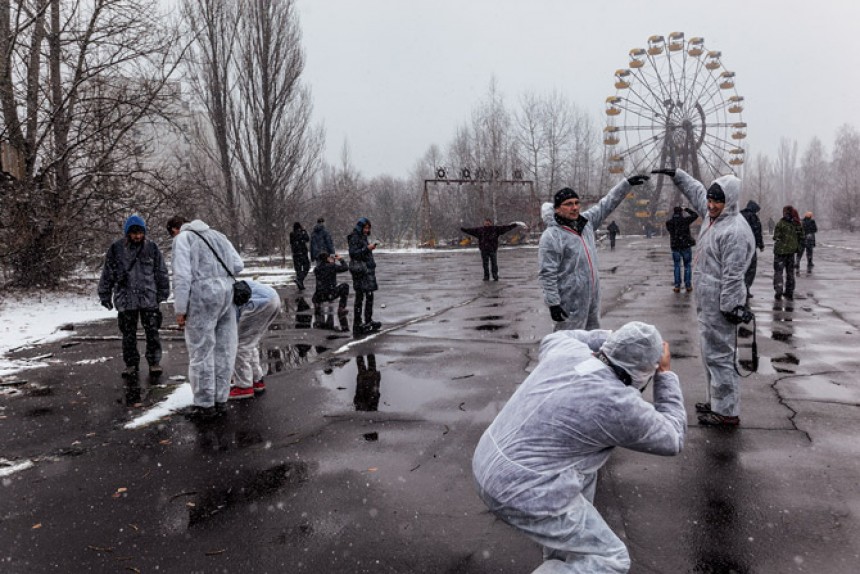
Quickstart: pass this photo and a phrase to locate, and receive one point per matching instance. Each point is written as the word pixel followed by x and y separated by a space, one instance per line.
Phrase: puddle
pixel 244 490
pixel 489 327
pixel 283 357
pixel 784 337
pixel 487 318
pixel 362 383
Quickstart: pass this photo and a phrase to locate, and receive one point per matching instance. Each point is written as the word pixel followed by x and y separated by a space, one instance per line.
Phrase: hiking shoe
pixel 689 289
pixel 130 372
pixel 237 393
pixel 703 407
pixel 713 419
pixel 778 296
pixel 789 296
pixel 155 370
pixel 676 289
pixel 373 325
pixel 259 387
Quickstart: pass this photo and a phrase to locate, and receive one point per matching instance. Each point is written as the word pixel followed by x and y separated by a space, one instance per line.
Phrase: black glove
pixel 637 179
pixel 738 315
pixel 557 313
pixel 107 304
pixel 667 171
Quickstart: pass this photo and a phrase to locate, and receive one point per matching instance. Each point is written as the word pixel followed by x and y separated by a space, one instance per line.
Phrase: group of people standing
pixel 222 338
pixel 362 268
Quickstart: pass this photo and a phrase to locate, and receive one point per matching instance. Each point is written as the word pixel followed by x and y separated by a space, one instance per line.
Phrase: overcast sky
pixel 392 77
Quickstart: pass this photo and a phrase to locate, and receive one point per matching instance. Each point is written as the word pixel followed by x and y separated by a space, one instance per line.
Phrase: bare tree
pixel 786 170
pixel 277 148
pixel 212 26
pixel 81 87
pixel 815 173
pixel 846 178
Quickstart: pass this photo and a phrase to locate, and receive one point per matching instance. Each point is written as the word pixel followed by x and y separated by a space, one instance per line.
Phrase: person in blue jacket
pixel 134 280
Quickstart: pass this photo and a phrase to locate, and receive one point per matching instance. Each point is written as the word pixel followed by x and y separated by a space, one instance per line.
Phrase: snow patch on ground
pixel 8 468
pixel 180 398
pixel 32 320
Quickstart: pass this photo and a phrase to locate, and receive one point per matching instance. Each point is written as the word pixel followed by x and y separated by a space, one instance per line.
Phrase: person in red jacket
pixel 488 244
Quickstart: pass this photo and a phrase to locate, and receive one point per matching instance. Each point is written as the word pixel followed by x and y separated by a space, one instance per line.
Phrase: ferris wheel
pixel 675 106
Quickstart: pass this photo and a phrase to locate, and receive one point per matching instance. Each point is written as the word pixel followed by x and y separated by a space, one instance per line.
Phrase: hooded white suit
pixel 204 293
pixel 536 465
pixel 723 254
pixel 568 262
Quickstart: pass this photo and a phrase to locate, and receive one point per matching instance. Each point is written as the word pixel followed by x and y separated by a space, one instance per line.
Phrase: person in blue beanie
pixel 134 280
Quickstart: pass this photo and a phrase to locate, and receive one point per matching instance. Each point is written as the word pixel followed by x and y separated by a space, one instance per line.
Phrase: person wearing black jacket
pixel 134 280
pixel 488 244
pixel 299 246
pixel 613 231
pixel 327 287
pixel 681 243
pixel 750 214
pixel 362 266
pixel 810 228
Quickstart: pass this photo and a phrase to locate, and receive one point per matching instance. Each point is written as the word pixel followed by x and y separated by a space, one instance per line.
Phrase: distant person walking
pixel 750 213
pixel 299 246
pixel 320 240
pixel 255 316
pixel 681 243
pixel 787 241
pixel 810 228
pixel 203 301
pixel 134 280
pixel 770 226
pixel 488 244
pixel 613 231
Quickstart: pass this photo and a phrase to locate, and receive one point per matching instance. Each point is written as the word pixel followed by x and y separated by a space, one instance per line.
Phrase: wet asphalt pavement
pixel 358 456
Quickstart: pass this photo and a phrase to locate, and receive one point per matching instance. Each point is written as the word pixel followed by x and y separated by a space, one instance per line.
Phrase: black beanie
pixel 716 193
pixel 678 209
pixel 563 195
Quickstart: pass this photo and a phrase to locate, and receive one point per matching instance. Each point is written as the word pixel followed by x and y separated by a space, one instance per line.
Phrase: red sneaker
pixel 259 387
pixel 241 393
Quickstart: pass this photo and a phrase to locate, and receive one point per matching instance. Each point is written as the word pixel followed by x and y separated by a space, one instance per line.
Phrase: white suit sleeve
pixel 181 264
pixel 659 428
pixel 693 190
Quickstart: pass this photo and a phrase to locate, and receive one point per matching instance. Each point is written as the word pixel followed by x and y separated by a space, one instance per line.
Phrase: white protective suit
pixel 723 254
pixel 255 316
pixel 536 465
pixel 568 262
pixel 204 293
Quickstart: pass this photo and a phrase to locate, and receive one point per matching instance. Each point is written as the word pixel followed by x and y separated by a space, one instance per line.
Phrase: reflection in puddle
pixel 279 358
pixel 489 327
pixel 487 318
pixel 781 336
pixel 371 436
pixel 357 383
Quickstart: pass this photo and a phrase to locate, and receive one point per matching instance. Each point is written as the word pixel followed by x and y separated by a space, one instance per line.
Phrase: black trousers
pixel 365 299
pixel 150 319
pixel 302 266
pixel 783 263
pixel 341 292
pixel 488 259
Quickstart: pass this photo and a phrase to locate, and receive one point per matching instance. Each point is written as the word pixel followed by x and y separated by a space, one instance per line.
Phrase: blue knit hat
pixel 131 222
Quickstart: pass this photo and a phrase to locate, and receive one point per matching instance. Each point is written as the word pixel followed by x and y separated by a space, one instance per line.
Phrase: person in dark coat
pixel 787 239
pixel 681 243
pixel 810 228
pixel 613 231
pixel 299 246
pixel 363 270
pixel 327 287
pixel 770 225
pixel 134 280
pixel 488 244
pixel 320 240
pixel 750 213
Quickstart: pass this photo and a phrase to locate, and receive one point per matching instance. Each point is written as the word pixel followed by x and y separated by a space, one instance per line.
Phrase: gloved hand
pixel 107 304
pixel 637 179
pixel 740 314
pixel 667 171
pixel 557 313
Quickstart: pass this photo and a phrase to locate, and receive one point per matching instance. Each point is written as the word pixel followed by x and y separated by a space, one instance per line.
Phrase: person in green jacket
pixel 788 238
